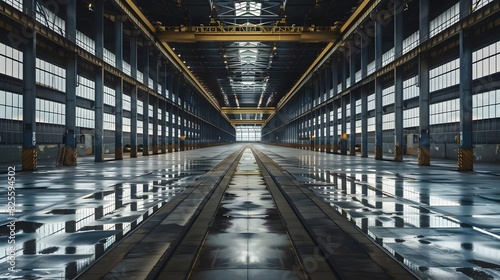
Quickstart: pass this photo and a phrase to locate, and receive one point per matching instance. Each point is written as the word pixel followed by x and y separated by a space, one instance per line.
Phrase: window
pixel 388 96
pixel 410 89
pixel 411 118
pixel 445 112
pixel 444 76
pixel 11 106
pixel 248 133
pixel 50 112
pixel 11 62
pixel 247 9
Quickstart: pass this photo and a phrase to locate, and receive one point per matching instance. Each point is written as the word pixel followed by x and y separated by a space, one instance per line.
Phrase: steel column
pixel 69 151
pixel 398 85
pixel 328 122
pixel 424 143
pixel 465 151
pixel 145 100
pixel 343 138
pixel 364 122
pixel 352 137
pixel 335 82
pixel 398 115
pixel 133 95
pixel 99 83
pixel 119 88
pixel 133 122
pixel 155 101
pixel 163 107
pixel 352 121
pixel 29 151
pixel 378 92
pixel 170 107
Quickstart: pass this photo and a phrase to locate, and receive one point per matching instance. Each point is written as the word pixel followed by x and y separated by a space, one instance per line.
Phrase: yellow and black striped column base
pixel 336 148
pixel 328 148
pixel 118 152
pixel 30 159
pixel 70 156
pixel 170 148
pixel 378 152
pixel 465 159
pixel 133 151
pixel 145 151
pixel 155 149
pixel 424 156
pixel 398 153
pixel 163 148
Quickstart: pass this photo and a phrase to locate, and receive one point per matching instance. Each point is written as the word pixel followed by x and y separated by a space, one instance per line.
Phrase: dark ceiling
pixel 247 74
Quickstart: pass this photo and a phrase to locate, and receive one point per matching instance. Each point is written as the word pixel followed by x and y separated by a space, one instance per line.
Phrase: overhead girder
pixel 244 122
pixel 248 33
pixel 233 110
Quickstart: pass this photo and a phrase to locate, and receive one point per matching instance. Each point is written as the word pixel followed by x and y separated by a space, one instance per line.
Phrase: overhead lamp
pixel 90 7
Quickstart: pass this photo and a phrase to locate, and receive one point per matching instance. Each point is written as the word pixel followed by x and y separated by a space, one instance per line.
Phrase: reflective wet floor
pixel 441 223
pixel 69 216
pixel 247 239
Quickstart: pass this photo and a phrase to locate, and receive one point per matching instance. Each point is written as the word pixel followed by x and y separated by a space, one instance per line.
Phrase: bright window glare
pixel 247 9
pixel 248 133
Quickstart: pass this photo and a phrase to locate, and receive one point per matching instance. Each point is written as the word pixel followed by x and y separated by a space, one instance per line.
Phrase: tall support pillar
pixel 69 150
pixel 378 92
pixel 163 107
pixel 378 119
pixel 328 123
pixel 170 107
pixel 424 157
pixel 29 151
pixel 146 102
pixel 364 97
pixel 364 123
pixel 352 123
pixel 399 128
pixel 155 101
pixel 133 94
pixel 424 145
pixel 321 113
pixel 465 151
pixel 177 93
pixel 133 122
pixel 335 82
pixel 343 138
pixel 398 86
pixel 119 88
pixel 99 84
pixel 336 146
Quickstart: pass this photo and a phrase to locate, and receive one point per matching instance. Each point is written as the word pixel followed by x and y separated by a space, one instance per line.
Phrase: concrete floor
pixel 441 223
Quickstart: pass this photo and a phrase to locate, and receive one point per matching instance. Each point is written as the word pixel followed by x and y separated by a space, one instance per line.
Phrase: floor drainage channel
pixel 247 238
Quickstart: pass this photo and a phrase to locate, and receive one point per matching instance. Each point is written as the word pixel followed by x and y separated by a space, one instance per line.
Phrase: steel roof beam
pixel 248 33
pixel 233 110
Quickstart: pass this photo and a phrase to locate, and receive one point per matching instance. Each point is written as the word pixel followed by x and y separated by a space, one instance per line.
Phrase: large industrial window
pixel 248 133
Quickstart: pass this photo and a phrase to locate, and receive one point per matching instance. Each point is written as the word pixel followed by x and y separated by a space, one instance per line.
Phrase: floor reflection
pixel 247 239
pixel 441 224
pixel 67 218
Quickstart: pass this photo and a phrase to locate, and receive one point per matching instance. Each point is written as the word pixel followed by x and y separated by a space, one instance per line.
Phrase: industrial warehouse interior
pixel 264 139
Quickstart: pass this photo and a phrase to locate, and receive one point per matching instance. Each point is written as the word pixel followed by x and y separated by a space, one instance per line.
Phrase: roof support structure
pixel 247 33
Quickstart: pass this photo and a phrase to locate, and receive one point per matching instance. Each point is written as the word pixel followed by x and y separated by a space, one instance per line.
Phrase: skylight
pixel 247 9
